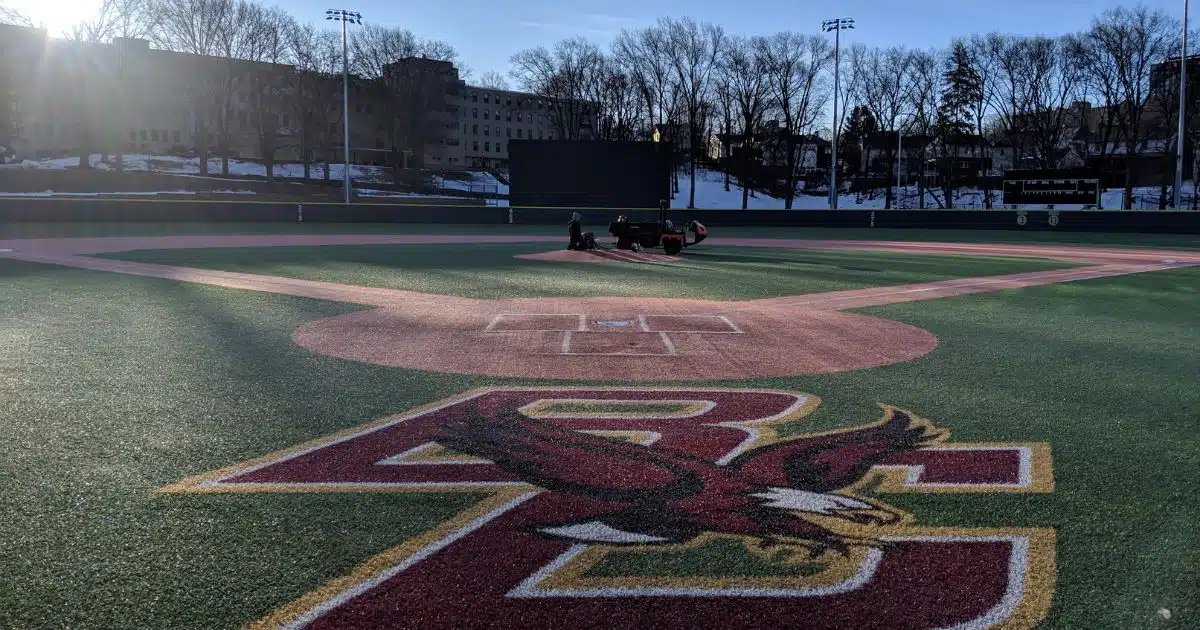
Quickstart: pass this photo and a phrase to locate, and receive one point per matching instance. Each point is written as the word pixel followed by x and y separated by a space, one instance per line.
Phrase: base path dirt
pixel 633 339
pixel 609 255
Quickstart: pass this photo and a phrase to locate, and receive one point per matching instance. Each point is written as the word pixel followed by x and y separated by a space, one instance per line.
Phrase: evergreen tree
pixel 954 115
pixel 859 126
pixel 963 90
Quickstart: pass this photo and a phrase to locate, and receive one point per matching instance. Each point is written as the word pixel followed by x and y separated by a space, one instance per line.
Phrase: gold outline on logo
pixel 1039 576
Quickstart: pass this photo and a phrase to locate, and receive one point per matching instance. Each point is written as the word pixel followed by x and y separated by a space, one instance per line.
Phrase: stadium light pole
pixel 1182 112
pixel 344 16
pixel 836 25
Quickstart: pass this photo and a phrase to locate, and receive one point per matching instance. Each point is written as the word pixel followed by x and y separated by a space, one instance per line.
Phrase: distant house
pixel 770 146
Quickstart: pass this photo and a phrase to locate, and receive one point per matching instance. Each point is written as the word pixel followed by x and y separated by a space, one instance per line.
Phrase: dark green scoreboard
pixel 588 173
pixel 1051 187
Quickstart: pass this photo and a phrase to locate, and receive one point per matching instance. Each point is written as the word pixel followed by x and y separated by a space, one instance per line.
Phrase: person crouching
pixel 580 240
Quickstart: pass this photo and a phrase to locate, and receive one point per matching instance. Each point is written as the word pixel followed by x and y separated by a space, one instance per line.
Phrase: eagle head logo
pixel 782 493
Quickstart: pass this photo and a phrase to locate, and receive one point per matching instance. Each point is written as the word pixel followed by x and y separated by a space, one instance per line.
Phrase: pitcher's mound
pixel 600 255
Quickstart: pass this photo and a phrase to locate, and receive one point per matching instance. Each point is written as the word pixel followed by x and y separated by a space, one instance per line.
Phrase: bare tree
pixel 563 77
pixel 611 102
pixel 977 53
pixel 693 50
pixel 9 15
pixel 316 108
pixel 797 66
pixel 199 27
pixel 413 76
pixel 746 72
pixel 1118 52
pixel 1163 116
pixel 117 18
pixel 114 19
pixel 884 91
pixel 494 80
pixel 924 93
pixel 644 53
pixel 1052 85
pixel 267 81
pixel 726 109
pixel 848 93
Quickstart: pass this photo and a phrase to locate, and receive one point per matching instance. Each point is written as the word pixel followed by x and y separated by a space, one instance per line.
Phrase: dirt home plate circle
pixel 639 339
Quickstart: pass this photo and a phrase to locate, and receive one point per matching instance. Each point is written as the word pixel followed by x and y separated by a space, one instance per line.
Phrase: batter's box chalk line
pixel 569 337
pixel 579 322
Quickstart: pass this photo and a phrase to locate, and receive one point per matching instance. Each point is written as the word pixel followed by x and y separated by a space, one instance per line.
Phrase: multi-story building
pixel 491 117
pixel 125 96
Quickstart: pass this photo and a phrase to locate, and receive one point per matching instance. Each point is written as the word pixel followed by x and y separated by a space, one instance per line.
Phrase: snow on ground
pixel 177 165
pixel 481 180
pixel 711 193
pixel 51 193
pixel 391 194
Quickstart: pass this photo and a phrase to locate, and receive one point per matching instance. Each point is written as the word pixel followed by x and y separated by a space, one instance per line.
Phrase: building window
pixel 475 97
pixel 176 136
pixel 508 101
pixel 357 108
pixel 519 117
pixel 519 130
pixel 539 134
pixel 508 132
pixel 485 98
pixel 368 109
pixel 487 146
pixel 508 116
pixel 485 114
pixel 475 145
pixel 486 130
pixel 475 130
pixel 474 112
pixel 132 135
pixel 142 134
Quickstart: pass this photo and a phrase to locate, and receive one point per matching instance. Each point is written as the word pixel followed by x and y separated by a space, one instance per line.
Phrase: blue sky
pixel 487 32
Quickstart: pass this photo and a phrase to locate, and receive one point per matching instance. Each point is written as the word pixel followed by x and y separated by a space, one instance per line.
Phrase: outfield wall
pixel 91 210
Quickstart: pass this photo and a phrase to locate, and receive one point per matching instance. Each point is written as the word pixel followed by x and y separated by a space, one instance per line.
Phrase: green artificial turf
pixel 112 386
pixel 491 271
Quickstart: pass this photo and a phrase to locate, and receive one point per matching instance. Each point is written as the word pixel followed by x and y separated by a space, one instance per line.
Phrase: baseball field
pixel 369 426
